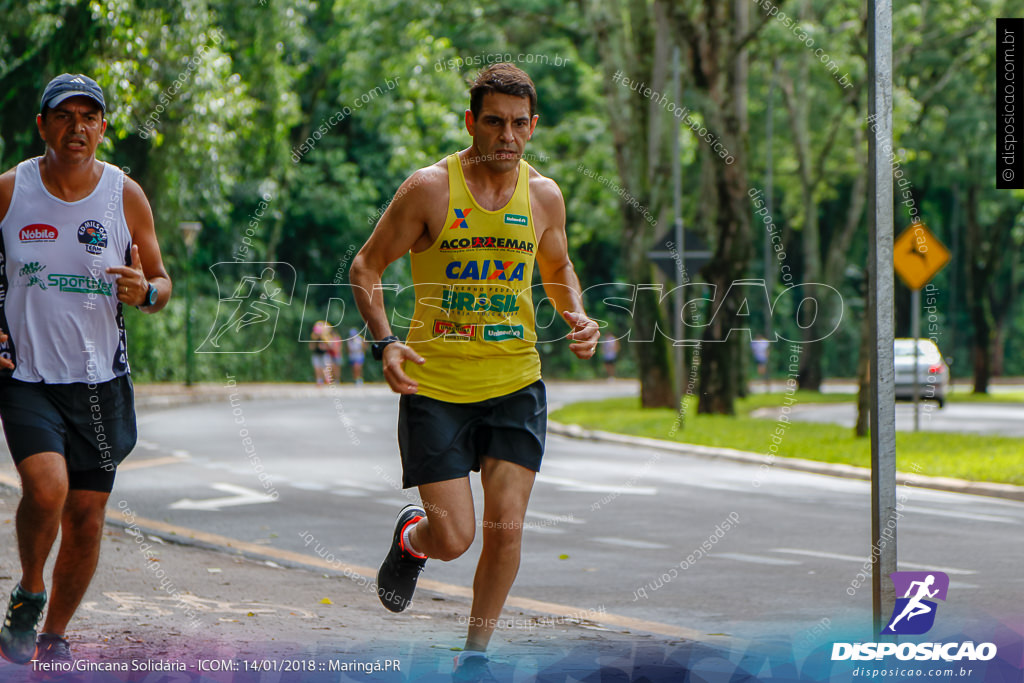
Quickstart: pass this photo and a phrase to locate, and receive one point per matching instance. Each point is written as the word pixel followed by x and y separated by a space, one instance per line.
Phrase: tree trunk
pixel 985 249
pixel 636 122
pixel 715 37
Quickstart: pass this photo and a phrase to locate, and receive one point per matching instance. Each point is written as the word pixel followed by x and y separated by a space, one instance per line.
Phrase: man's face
pixel 73 129
pixel 502 129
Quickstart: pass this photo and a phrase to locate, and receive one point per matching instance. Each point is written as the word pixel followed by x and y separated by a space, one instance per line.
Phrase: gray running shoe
pixel 18 635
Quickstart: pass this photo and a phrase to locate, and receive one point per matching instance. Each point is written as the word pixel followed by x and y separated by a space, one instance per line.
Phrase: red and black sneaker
pixel 396 578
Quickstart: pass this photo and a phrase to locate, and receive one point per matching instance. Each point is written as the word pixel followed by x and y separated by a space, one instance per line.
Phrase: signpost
pixel 880 307
pixel 918 255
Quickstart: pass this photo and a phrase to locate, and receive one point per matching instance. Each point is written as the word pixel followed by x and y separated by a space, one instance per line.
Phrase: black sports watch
pixel 151 295
pixel 377 347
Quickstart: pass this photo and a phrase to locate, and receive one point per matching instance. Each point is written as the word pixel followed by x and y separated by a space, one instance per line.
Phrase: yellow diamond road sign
pixel 918 255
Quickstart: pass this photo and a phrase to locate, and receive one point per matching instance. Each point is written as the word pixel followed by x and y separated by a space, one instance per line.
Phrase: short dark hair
pixel 503 78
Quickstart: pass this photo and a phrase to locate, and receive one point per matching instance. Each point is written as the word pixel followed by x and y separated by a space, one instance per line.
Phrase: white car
pixel 932 371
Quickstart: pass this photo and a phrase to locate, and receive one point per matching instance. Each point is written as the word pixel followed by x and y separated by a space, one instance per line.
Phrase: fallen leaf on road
pixel 563 556
pixel 326 601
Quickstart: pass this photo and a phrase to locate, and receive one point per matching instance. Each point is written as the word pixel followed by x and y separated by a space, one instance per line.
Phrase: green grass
pixel 937 454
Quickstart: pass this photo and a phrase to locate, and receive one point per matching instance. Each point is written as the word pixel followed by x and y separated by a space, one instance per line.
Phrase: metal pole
pixel 769 191
pixel 880 312
pixel 189 232
pixel 188 320
pixel 677 213
pixel 915 323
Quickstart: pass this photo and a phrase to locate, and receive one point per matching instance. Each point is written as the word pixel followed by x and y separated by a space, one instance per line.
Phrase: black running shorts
pixel 91 425
pixel 441 440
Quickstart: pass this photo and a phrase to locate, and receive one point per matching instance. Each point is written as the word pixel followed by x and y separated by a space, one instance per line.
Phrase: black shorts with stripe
pixel 441 440
pixel 91 425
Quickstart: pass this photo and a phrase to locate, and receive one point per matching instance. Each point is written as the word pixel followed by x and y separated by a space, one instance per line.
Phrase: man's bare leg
pixel 448 530
pixel 507 488
pixel 44 484
pixel 81 533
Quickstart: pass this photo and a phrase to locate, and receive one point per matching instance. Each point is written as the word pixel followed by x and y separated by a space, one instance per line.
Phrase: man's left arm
pixel 147 265
pixel 556 269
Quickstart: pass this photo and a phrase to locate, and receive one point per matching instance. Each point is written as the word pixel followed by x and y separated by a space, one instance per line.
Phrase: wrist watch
pixel 377 347
pixel 151 295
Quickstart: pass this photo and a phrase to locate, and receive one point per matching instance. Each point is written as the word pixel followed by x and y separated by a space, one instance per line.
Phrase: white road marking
pixel 360 485
pixel 863 559
pixel 756 559
pixel 309 486
pixel 349 493
pixel 561 519
pixel 241 496
pixel 630 543
pixel 577 485
pixel 962 515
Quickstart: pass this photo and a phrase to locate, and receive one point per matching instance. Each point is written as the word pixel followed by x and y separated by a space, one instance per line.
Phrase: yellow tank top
pixel 474 319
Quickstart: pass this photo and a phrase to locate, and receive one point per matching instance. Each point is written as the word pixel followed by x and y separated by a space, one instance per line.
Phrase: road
pixel 1006 419
pixel 605 521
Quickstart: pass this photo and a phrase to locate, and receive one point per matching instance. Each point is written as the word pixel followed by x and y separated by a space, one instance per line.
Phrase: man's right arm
pixel 6 192
pixel 402 226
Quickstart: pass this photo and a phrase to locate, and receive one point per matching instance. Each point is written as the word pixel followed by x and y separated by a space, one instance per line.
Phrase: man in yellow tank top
pixel 469 373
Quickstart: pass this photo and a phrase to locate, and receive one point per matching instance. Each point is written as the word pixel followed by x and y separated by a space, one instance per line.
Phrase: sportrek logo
pixel 913 615
pixel 460 218
pixel 38 232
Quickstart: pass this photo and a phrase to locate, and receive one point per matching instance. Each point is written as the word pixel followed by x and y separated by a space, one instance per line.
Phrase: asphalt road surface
pixel 1005 419
pixel 607 524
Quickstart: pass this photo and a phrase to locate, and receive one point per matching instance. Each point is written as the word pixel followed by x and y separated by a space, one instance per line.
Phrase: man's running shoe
pixel 18 635
pixel 396 578
pixel 53 648
pixel 473 669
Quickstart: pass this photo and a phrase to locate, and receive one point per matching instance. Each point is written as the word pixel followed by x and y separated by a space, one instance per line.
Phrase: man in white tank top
pixel 77 243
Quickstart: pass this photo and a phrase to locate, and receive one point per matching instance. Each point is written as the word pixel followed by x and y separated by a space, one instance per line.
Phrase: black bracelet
pixel 377 348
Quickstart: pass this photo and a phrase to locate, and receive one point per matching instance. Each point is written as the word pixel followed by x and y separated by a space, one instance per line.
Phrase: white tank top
pixel 58 304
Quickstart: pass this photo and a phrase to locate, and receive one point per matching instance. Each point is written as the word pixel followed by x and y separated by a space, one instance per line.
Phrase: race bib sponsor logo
pixel 464 243
pixel 460 218
pixel 469 302
pixel 79 284
pixel 33 270
pixel 500 333
pixel 454 331
pixel 488 269
pixel 38 232
pixel 93 235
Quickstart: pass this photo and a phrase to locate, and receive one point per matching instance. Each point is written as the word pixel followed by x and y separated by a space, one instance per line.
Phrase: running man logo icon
pixel 913 613
pixel 247 318
pixel 460 219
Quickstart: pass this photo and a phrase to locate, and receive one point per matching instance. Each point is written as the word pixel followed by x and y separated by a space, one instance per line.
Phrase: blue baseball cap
pixel 71 85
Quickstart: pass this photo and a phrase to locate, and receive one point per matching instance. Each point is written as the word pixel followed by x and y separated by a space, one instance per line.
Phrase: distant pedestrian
pixel 759 348
pixel 356 348
pixel 609 354
pixel 320 352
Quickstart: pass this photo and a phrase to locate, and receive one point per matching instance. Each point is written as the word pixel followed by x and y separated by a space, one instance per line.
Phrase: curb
pixel 977 488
